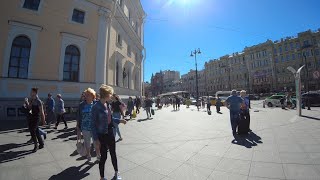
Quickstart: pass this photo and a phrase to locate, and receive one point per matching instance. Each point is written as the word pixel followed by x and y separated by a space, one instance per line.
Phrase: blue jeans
pixel 41 131
pixel 234 119
pixel 115 125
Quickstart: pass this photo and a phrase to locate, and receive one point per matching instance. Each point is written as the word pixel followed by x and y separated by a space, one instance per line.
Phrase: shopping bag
pixel 134 114
pixel 152 111
pixel 81 148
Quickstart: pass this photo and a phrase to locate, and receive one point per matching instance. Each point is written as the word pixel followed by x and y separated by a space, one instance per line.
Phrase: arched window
pixel 117 74
pixel 71 64
pixel 19 57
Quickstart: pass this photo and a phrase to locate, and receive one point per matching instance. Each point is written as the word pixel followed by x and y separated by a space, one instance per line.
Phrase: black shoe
pixel 35 149
pixel 40 146
pixel 66 127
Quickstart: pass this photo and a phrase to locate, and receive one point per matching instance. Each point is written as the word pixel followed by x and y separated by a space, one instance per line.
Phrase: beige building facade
pixel 188 83
pixel 66 46
pixel 263 67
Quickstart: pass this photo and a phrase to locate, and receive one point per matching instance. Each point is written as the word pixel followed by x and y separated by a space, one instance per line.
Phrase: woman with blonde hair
pixel 102 129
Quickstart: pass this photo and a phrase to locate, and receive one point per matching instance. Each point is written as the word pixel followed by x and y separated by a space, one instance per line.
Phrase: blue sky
pixel 218 27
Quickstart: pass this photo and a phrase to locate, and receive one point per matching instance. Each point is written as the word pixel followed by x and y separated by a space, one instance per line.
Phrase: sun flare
pixel 182 3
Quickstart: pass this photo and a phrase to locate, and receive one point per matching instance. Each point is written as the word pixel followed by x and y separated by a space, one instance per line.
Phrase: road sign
pixel 316 74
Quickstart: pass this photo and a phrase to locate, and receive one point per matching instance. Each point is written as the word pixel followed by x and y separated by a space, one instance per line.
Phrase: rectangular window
pixel 119 40
pixel 293 56
pixel 297 45
pixel 307 53
pixel 286 47
pixel 306 43
pixel 280 49
pixel 11 112
pixel 288 57
pixel 129 51
pixel 31 4
pixel 78 16
pixel 317 52
pixel 275 51
pixel 282 59
pixel 291 46
pixel 120 2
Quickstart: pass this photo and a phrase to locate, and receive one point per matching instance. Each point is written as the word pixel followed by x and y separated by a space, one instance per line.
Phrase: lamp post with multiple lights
pixel 194 53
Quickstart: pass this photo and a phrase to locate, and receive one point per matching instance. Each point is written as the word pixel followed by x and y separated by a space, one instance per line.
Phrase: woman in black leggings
pixel 102 130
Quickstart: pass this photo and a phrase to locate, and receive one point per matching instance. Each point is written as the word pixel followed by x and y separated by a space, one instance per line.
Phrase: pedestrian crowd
pixel 98 119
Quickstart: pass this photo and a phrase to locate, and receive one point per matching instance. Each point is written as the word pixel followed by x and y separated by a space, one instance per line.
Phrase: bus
pixel 224 95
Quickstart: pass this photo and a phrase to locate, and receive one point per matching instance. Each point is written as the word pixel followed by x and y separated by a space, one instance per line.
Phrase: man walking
pixel 50 103
pixel 148 105
pixel 233 103
pixel 36 107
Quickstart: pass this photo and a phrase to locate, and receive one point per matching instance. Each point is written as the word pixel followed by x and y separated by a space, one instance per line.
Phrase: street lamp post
pixel 194 53
pixel 298 86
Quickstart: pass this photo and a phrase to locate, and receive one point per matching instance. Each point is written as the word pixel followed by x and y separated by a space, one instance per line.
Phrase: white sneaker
pixel 89 161
pixel 117 176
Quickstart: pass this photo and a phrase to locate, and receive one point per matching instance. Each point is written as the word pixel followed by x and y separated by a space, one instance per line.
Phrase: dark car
pixel 313 97
pixel 253 97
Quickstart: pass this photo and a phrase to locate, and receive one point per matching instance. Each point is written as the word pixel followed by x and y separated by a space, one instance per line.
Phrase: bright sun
pixel 181 2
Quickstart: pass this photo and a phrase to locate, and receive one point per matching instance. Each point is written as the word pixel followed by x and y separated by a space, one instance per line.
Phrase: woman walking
pixel 102 129
pixel 85 120
pixel 60 112
pixel 116 113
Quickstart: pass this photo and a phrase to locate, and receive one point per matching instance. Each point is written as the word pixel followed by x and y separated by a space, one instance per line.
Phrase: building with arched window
pixel 65 47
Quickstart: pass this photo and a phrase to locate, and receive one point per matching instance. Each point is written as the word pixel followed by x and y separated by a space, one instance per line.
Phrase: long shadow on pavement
pixel 248 141
pixel 13 155
pixel 73 173
pixel 66 134
pixel 146 119
pixel 309 117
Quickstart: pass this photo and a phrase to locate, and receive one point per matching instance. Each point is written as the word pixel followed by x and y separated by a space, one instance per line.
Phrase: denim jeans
pixel 115 125
pixel 41 132
pixel 234 119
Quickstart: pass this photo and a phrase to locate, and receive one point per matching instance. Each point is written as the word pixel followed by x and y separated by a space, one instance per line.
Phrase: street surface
pixel 179 145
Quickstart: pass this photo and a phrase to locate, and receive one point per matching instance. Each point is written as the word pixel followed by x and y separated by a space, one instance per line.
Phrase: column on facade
pixel 101 57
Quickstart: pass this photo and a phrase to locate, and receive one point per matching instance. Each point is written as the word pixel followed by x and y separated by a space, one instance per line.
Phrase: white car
pixel 273 100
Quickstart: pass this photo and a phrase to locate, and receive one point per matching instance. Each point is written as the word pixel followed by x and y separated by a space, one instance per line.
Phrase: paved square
pixel 179 145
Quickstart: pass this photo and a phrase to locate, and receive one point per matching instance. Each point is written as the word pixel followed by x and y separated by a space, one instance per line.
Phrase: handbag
pixel 80 147
pixel 134 114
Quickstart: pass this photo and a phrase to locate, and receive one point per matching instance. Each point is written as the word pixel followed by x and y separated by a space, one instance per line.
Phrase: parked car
pixel 314 98
pixel 273 100
pixel 253 97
